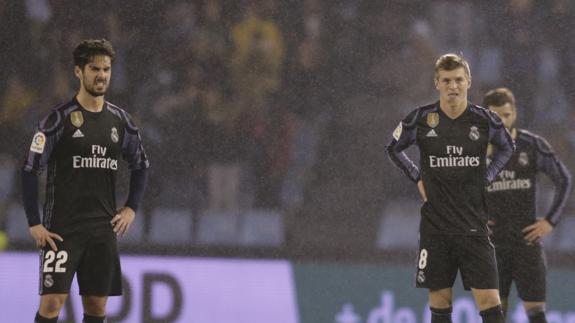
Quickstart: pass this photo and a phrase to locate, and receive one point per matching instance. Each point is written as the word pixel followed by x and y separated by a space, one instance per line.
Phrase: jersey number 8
pixel 61 257
pixel 422 259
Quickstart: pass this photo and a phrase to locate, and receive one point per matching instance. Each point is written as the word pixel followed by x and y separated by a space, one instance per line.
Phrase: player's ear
pixel 78 71
pixel 436 82
pixel 468 82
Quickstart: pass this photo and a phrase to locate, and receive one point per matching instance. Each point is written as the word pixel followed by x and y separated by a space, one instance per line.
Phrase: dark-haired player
pixel 453 135
pixel 511 198
pixel 80 143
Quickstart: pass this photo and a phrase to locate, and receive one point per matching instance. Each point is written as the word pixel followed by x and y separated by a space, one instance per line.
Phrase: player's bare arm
pixel 42 236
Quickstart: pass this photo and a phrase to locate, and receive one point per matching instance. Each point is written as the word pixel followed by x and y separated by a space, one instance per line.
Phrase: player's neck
pixel 513 131
pixel 453 110
pixel 89 102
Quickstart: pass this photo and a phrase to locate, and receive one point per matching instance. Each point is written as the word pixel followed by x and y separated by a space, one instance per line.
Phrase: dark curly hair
pixel 87 49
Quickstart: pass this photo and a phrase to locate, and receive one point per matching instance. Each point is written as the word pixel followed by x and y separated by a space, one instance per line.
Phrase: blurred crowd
pixel 242 104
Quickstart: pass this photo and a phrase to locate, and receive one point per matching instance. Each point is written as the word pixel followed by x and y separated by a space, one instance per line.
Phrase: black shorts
pixel 527 267
pixel 440 257
pixel 94 257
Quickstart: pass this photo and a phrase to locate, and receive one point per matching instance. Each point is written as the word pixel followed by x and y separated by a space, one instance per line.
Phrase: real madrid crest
pixel 421 277
pixel 523 160
pixel 433 119
pixel 77 118
pixel 473 133
pixel 114 135
pixel 48 281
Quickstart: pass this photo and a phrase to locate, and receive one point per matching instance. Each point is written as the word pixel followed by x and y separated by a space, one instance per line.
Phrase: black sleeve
pixel 30 197
pixel 46 136
pixel 403 137
pixel 503 145
pixel 138 181
pixel 132 148
pixel 43 142
pixel 550 165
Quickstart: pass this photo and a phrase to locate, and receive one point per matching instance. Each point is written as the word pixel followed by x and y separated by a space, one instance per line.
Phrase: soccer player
pixel 452 136
pixel 81 142
pixel 517 232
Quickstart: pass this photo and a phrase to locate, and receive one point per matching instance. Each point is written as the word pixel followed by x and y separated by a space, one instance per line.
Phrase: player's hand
pixel 537 231
pixel 422 191
pixel 42 236
pixel 122 221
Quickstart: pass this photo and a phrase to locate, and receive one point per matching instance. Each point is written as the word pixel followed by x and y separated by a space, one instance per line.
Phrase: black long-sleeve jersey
pixel 81 150
pixel 511 198
pixel 453 164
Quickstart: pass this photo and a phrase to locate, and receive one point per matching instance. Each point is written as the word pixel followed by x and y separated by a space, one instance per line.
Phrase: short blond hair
pixel 450 62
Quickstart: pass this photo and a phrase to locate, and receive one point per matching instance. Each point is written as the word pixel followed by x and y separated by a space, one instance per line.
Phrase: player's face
pixel 507 114
pixel 452 85
pixel 95 77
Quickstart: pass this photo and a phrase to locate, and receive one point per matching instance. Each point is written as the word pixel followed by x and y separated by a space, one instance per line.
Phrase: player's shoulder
pixel 121 114
pixel 54 120
pixel 485 114
pixel 535 140
pixel 420 112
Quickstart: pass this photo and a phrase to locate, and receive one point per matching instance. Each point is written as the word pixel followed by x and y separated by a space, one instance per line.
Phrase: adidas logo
pixel 431 133
pixel 78 134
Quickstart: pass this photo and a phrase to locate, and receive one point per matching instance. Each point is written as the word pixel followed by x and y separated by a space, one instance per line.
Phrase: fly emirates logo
pixel 97 160
pixel 507 181
pixel 454 158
